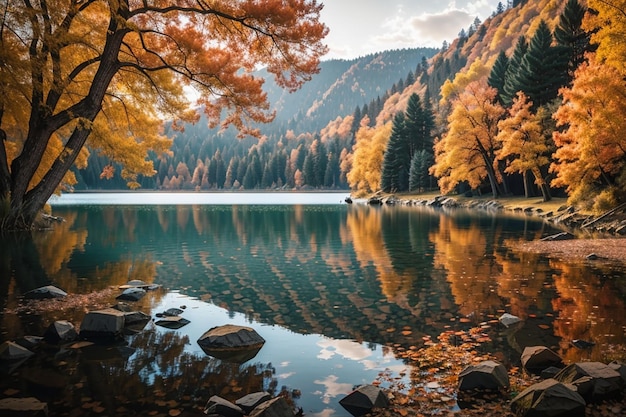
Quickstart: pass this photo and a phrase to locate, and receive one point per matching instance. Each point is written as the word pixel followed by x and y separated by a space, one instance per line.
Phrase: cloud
pixel 426 29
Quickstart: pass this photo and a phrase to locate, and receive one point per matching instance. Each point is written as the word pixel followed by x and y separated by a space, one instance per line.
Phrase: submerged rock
pixel 29 406
pixel 364 399
pixel 222 407
pixel 49 291
pixel 549 398
pixel 487 375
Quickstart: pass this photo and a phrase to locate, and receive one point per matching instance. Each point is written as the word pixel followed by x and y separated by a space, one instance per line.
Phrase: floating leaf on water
pixel 543 326
pixel 174 413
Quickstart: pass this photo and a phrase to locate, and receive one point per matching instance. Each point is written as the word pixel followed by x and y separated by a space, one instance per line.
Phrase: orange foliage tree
pixel 112 70
pixel 590 160
pixel 524 146
pixel 468 151
pixel 367 158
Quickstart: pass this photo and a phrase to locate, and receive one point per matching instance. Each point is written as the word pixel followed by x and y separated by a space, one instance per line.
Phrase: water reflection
pixel 359 276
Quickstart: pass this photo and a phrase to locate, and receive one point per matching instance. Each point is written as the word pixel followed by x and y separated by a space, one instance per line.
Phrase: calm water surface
pixel 336 290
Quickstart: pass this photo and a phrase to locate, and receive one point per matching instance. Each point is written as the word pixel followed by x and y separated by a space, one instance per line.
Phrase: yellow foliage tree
pixel 367 158
pixel 112 70
pixel 590 159
pixel 608 28
pixel 468 151
pixel 524 147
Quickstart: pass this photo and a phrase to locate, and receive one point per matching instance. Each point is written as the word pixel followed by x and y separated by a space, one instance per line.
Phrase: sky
pixel 361 27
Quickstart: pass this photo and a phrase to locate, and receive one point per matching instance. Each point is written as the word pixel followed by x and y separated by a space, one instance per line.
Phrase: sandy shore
pixel 613 249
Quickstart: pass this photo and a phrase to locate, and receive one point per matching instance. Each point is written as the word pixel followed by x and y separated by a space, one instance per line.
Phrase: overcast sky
pixel 360 27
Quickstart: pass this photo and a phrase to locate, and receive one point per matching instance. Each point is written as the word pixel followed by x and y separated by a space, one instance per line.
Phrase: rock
pixel 132 294
pixel 11 351
pixel 549 398
pixel 29 342
pixel 60 331
pixel 582 344
pixel 135 283
pixel 600 381
pixel 550 372
pixel 123 307
pixel 228 339
pixel 135 321
pixel 251 401
pixel 49 291
pixel 175 322
pixel 220 406
pixel 487 375
pixel 619 367
pixel 537 358
pixel 348 200
pixel 508 320
pixel 171 312
pixel 276 407
pixel 107 323
pixel 17 407
pixel 362 400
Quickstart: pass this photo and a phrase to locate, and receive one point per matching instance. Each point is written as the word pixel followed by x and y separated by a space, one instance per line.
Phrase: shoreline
pixel 585 236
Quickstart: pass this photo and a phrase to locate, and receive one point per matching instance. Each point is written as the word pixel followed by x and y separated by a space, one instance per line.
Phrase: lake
pixel 336 290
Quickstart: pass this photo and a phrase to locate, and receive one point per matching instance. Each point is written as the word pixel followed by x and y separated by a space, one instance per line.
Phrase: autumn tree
pixel 107 73
pixel 367 158
pixel 608 28
pixel 467 152
pixel 590 161
pixel 524 146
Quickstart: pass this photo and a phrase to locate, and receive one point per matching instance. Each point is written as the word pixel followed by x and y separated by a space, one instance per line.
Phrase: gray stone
pixel 600 380
pixel 487 375
pixel 276 407
pixel 365 398
pixel 107 323
pixel 132 294
pixel 220 406
pixel 230 336
pixel 508 320
pixel 549 398
pixel 537 358
pixel 60 331
pixel 251 401
pixel 11 351
pixel 175 322
pixel 49 291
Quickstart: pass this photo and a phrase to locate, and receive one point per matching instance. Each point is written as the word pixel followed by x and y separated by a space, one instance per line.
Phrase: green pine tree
pixel 572 39
pixel 497 76
pixel 511 81
pixel 544 69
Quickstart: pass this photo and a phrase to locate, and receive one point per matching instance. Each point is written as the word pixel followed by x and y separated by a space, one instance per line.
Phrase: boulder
pixel 132 294
pixel 107 323
pixel 537 358
pixel 230 336
pixel 508 320
pixel 595 380
pixel 549 398
pixel 29 406
pixel 11 351
pixel 171 312
pixel 175 322
pixel 49 291
pixel 276 407
pixel 135 321
pixel 362 400
pixel 621 368
pixel 251 401
pixel 220 406
pixel 135 283
pixel 487 375
pixel 60 331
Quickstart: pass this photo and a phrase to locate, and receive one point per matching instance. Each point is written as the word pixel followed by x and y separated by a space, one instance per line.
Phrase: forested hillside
pixel 536 108
pixel 529 102
pixel 293 150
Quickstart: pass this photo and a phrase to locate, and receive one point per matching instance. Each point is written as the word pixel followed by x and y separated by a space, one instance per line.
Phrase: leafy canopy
pixel 114 70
